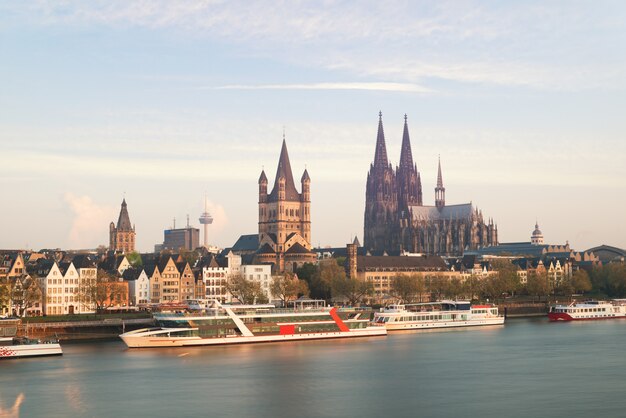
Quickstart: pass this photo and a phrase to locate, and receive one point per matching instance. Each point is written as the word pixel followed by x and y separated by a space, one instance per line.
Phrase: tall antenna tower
pixel 206 219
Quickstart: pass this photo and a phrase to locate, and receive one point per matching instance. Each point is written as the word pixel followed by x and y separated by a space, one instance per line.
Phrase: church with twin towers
pixel 396 219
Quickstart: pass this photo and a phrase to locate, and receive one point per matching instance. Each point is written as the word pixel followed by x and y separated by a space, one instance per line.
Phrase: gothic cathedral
pixel 396 219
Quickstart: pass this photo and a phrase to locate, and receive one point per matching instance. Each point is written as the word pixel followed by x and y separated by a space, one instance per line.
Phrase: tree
pixel 318 288
pixel 581 281
pixel 352 290
pixel 471 286
pixel 134 259
pixel 507 277
pixel 537 284
pixel 246 291
pixel 4 296
pixel 329 271
pixel 407 287
pixel 104 291
pixel 288 287
pixel 25 293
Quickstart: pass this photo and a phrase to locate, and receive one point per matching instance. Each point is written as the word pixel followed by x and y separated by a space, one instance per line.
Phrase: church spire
pixel 406 156
pixel 283 171
pixel 380 157
pixel 440 191
pixel 123 221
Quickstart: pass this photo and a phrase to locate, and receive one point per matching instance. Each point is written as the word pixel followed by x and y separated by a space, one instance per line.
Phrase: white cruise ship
pixel 588 310
pixel 444 314
pixel 242 324
pixel 15 347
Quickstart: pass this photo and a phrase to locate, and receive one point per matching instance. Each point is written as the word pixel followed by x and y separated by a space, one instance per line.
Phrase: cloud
pixel 90 223
pixel 374 86
pixel 546 46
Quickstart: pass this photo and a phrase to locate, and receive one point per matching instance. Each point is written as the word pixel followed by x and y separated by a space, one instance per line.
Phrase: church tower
pixel 381 198
pixel 285 218
pixel 122 237
pixel 409 182
pixel 440 191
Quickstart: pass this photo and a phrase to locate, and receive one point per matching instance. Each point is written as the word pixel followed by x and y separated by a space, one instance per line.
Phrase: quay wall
pixel 83 330
pixel 521 310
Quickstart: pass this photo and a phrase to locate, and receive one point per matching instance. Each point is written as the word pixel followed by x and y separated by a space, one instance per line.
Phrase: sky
pixel 164 102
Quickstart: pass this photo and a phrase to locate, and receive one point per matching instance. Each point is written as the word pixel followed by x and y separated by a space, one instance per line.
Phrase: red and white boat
pixel 588 310
pixel 242 324
pixel 14 347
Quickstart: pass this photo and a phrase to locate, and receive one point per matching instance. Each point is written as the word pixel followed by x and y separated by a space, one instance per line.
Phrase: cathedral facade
pixel 285 219
pixel 396 220
pixel 122 236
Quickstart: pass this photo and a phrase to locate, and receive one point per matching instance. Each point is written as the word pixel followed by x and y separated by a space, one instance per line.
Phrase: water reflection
pixel 14 411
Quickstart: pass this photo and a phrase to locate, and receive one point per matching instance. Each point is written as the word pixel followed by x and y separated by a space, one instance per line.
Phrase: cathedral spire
pixel 380 157
pixel 440 191
pixel 439 177
pixel 406 156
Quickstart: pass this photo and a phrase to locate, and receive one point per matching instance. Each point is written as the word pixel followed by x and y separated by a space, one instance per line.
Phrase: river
pixel 526 368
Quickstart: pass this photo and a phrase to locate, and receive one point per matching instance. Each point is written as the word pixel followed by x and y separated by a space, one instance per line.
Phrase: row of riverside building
pixel 62 278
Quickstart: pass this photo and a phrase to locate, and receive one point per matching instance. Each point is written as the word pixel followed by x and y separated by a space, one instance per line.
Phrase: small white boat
pixel 14 347
pixel 443 314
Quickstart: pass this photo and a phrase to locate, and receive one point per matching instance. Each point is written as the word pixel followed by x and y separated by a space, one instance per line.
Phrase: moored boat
pixel 443 314
pixel 15 347
pixel 588 310
pixel 242 324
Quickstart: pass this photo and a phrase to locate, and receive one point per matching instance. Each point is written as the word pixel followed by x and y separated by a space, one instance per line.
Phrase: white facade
pixel 139 289
pixel 62 292
pixel 261 274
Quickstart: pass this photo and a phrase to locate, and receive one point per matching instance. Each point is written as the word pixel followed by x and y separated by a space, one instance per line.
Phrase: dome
pixel 537 231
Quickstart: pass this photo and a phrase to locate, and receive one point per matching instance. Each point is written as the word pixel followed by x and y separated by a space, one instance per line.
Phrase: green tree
pixel 246 291
pixel 288 287
pixel 407 287
pixel 537 284
pixel 25 293
pixel 354 291
pixel 134 259
pixel 581 281
pixel 506 276
pixel 318 288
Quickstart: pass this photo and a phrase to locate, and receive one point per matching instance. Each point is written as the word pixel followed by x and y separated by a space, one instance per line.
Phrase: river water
pixel 526 368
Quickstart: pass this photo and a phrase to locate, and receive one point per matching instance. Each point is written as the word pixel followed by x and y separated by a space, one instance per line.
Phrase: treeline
pixel 606 281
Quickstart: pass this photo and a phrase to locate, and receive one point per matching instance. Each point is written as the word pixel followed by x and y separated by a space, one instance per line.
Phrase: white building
pixel 260 273
pixel 138 286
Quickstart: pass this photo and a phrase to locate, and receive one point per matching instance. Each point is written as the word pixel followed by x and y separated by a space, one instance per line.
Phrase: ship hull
pixel 443 324
pixel 562 316
pixel 30 350
pixel 146 341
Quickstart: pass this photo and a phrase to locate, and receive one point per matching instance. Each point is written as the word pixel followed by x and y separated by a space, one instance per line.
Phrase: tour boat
pixel 578 311
pixel 443 314
pixel 240 324
pixel 15 347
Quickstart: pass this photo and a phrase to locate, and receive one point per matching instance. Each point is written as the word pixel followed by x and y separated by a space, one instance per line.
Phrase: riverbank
pixel 85 330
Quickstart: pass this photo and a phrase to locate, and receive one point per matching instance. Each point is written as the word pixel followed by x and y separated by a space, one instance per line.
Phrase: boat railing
pixel 240 312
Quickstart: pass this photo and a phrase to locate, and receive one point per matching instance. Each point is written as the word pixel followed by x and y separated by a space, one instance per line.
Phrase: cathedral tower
pixel 381 197
pixel 409 182
pixel 122 237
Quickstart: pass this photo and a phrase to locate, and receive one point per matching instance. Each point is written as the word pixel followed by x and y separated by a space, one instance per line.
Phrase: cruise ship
pixel 443 314
pixel 242 324
pixel 588 310
pixel 15 347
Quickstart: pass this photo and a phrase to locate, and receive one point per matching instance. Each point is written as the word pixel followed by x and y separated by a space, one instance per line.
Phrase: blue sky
pixel 167 101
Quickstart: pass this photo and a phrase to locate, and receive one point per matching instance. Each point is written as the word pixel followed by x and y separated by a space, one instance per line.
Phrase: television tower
pixel 206 219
